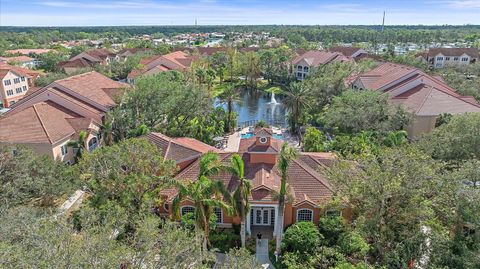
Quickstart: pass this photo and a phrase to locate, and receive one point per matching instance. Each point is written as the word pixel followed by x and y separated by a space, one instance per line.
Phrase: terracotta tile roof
pixel 76 63
pixel 44 122
pixel 249 145
pixel 31 73
pixel 100 54
pixel 28 51
pixel 180 149
pixel 424 100
pixel 134 50
pixel 421 93
pixel 20 59
pixel 93 86
pixel 177 60
pixel 472 52
pixel 318 57
pixel 346 51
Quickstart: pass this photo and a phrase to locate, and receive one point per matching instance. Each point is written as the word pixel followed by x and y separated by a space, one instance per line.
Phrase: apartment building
pixel 47 118
pixel 14 85
pixel 424 95
pixel 444 57
pixel 313 58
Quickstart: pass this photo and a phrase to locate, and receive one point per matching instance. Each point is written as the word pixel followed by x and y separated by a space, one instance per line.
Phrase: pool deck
pixel 233 142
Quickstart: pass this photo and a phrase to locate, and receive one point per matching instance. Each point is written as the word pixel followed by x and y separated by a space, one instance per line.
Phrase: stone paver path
pixel 262 254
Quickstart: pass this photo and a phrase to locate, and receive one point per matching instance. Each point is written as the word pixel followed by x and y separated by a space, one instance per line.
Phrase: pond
pixel 255 106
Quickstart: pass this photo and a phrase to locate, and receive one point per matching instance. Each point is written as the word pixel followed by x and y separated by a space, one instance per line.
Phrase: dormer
pixel 263 137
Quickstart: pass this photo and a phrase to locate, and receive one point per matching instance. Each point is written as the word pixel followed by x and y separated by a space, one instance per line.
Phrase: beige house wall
pixel 13 86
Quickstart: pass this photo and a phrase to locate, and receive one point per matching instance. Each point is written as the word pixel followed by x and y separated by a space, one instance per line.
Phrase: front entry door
pixel 262 216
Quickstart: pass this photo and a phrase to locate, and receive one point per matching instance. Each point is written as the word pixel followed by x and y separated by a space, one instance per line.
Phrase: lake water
pixel 256 106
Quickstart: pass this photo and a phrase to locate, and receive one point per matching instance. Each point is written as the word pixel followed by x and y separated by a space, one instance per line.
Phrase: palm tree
pixel 287 155
pixel 229 96
pixel 297 99
pixel 240 197
pixel 206 194
pixel 78 145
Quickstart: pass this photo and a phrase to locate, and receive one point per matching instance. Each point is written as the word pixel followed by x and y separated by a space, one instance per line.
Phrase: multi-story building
pixel 46 119
pixel 14 85
pixel 444 57
pixel 313 58
pixel 425 96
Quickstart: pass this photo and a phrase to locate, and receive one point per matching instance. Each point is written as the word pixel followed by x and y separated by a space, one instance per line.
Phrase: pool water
pixel 248 135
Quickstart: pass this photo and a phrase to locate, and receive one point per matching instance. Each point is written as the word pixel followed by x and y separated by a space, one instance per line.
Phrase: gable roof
pixel 319 57
pixel 44 122
pixel 180 149
pixel 472 52
pixel 421 93
pixel 20 59
pixel 20 70
pixel 346 51
pixel 177 60
pixel 76 63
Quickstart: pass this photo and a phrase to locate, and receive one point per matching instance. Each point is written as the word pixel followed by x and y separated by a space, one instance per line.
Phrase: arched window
pixel 304 215
pixel 187 209
pixel 218 212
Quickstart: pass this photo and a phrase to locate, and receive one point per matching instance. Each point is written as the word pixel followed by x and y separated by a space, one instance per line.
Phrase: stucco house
pixel 444 57
pixel 313 58
pixel 308 189
pixel 177 60
pixel 87 59
pixel 47 118
pixel 424 95
pixel 15 82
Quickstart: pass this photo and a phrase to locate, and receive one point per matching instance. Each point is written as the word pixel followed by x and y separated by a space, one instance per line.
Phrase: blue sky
pixel 209 12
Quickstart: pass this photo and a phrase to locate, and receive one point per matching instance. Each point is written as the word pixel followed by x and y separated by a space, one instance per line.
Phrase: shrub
pixel 354 244
pixel 314 140
pixel 331 228
pixel 302 237
pixel 224 240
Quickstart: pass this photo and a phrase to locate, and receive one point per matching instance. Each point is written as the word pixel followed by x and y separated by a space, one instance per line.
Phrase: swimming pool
pixel 248 135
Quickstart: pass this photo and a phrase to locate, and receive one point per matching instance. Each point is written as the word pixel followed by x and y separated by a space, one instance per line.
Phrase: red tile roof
pixel 346 51
pixel 177 60
pixel 28 51
pixel 20 59
pixel 44 122
pixel 318 57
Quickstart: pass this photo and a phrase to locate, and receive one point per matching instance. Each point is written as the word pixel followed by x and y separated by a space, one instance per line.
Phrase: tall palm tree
pixel 206 194
pixel 231 62
pixel 240 197
pixel 297 98
pixel 229 96
pixel 287 155
pixel 78 145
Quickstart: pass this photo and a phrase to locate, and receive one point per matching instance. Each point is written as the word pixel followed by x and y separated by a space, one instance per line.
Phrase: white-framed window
pixel 455 58
pixel 332 213
pixel 299 75
pixel 23 78
pixel 304 214
pixel 64 149
pixel 16 80
pixel 447 58
pixel 439 58
pixel 305 69
pixel 24 88
pixel 263 140
pixel 464 59
pixel 186 209
pixel 7 82
pixel 18 90
pixel 299 68
pixel 218 212
pixel 10 92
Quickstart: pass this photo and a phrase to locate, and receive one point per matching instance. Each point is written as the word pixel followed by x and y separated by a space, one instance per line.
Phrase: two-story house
pixel 48 118
pixel 177 60
pixel 313 58
pixel 444 57
pixel 87 59
pixel 424 95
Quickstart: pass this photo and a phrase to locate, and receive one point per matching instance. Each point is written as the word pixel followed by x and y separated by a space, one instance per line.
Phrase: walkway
pixel 233 142
pixel 262 254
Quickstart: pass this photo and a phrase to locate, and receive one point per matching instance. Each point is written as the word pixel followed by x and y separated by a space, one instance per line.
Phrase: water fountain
pixel 272 99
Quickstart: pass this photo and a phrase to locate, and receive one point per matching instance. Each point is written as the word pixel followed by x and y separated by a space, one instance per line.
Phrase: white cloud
pixel 463 4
